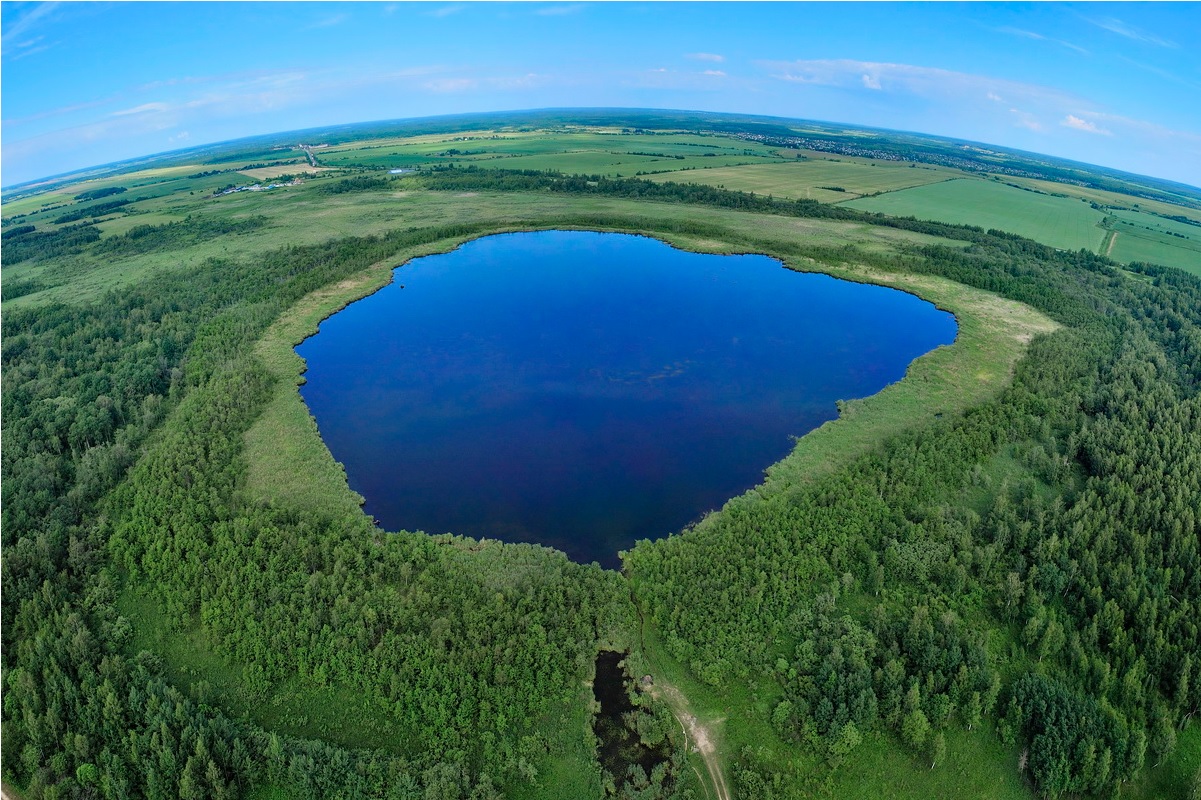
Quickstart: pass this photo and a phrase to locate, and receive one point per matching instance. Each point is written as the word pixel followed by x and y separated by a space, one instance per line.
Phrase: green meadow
pixel 1056 221
pixel 1146 237
pixel 813 179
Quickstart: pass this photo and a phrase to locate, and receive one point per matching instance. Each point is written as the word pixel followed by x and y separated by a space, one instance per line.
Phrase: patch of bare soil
pixel 699 736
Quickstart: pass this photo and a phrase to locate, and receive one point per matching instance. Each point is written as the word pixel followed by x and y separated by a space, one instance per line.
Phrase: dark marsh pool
pixel 586 390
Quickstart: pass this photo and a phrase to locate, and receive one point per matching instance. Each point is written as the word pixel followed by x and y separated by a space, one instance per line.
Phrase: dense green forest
pixel 1032 564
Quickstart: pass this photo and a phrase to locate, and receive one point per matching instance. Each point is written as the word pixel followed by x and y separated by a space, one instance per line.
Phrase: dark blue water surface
pixel 585 390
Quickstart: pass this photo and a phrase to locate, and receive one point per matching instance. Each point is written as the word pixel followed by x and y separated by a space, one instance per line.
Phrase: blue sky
pixel 1117 84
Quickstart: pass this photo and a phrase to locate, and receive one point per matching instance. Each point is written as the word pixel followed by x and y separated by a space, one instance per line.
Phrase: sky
pixel 88 83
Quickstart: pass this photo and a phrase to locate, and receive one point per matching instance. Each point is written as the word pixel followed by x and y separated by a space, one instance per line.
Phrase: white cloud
pixel 717 73
pixel 446 11
pixel 871 82
pixel 1114 25
pixel 996 98
pixel 145 108
pixel 1072 121
pixel 706 57
pixel 17 35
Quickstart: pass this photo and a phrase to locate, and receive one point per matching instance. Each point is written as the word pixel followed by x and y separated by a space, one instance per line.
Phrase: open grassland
pixel 1055 221
pixel 584 152
pixel 300 215
pixel 1105 198
pixel 811 179
pixel 1146 237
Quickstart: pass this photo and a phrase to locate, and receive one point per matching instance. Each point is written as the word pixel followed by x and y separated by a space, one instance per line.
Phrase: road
pixel 698 736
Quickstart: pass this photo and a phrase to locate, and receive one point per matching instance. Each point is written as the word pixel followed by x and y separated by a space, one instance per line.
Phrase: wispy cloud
pixel 1076 123
pixel 60 111
pixel 328 22
pixel 915 80
pixel 717 73
pixel 1040 38
pixel 1144 129
pixel 145 108
pixel 20 38
pixel 445 11
pixel 706 57
pixel 1163 73
pixel 559 11
pixel 1114 25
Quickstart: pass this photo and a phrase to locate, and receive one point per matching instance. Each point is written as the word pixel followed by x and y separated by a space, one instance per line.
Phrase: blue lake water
pixel 586 390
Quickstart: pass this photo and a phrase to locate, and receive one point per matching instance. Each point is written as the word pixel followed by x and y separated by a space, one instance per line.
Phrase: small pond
pixel 585 390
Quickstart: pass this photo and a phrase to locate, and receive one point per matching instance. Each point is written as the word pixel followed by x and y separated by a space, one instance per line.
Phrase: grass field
pixel 805 179
pixel 1106 198
pixel 589 152
pixel 1146 237
pixel 298 215
pixel 1055 221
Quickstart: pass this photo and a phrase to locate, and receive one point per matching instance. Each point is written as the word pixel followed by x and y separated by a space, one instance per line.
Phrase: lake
pixel 585 390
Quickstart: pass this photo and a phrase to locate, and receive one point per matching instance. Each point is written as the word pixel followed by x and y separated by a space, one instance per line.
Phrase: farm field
pixel 1146 237
pixel 809 179
pixel 581 152
pixel 1106 198
pixel 1055 221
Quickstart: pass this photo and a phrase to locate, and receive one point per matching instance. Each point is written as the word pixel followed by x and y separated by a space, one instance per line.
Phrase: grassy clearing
pixel 1178 776
pixel 1055 221
pixel 569 767
pixel 805 179
pixel 977 764
pixel 341 715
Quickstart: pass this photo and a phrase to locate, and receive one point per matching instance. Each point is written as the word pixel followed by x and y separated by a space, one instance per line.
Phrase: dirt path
pixel 1112 238
pixel 698 736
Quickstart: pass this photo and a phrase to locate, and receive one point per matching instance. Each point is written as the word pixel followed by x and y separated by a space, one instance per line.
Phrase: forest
pixel 1031 565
